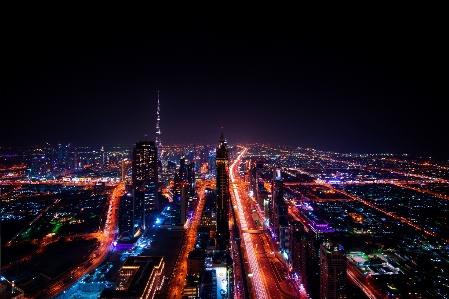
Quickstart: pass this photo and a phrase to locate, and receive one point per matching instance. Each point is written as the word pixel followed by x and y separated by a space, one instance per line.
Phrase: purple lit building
pixel 316 233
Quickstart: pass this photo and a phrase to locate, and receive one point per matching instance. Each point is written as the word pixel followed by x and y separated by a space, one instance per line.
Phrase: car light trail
pixel 259 286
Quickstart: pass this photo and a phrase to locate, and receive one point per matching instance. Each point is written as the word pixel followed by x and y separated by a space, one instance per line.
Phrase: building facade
pixel 223 195
pixel 145 179
pixel 332 271
pixel 316 232
pixel 140 277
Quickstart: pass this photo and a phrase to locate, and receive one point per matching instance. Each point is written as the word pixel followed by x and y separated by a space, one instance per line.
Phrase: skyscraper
pixel 332 271
pixel 179 211
pixel 145 179
pixel 158 134
pixel 279 211
pixel 316 232
pixel 297 246
pixel 222 189
pixel 126 220
pixel 102 158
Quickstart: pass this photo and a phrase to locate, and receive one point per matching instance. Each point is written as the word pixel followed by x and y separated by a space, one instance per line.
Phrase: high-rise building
pixel 180 196
pixel 158 135
pixel 332 271
pixel 145 179
pixel 279 213
pixel 191 179
pixel 123 177
pixel 223 195
pixel 317 232
pixel 102 158
pixel 257 185
pixel 297 245
pixel 277 192
pixel 211 158
pixel 126 218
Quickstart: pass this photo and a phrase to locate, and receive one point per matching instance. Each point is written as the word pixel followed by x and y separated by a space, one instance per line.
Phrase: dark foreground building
pixel 222 200
pixel 140 277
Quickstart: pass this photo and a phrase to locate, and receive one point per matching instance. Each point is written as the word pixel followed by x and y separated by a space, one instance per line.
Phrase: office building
pixel 332 271
pixel 178 215
pixel 277 194
pixel 297 245
pixel 279 213
pixel 126 219
pixel 158 136
pixel 145 180
pixel 222 194
pixel 256 177
pixel 196 262
pixel 140 277
pixel 316 232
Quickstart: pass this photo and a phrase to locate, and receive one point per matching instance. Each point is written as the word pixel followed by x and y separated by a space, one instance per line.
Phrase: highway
pixel 266 274
pixel 177 279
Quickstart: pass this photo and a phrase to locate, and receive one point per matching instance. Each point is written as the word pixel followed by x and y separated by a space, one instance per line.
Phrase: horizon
pixel 334 84
pixel 130 146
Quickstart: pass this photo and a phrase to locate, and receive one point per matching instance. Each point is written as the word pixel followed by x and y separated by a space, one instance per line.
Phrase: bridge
pixel 255 231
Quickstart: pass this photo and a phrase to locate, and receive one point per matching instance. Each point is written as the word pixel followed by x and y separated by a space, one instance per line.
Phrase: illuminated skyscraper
pixel 158 133
pixel 279 212
pixel 126 218
pixel 332 271
pixel 102 158
pixel 297 246
pixel 179 211
pixel 222 189
pixel 145 179
pixel 316 232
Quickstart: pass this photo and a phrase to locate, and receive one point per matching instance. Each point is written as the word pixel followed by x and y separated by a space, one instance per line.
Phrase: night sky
pixel 360 84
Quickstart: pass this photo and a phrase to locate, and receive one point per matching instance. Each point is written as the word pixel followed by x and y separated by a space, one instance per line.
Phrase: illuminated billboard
pixel 222 281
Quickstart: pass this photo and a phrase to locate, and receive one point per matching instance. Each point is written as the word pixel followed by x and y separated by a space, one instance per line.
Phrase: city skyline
pixel 387 213
pixel 356 85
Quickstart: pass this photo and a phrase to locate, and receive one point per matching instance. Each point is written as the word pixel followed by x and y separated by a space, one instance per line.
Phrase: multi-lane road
pixel 266 273
pixel 177 279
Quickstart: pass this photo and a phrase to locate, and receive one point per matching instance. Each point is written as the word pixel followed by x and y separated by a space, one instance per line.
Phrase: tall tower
pixel 332 271
pixel 316 232
pixel 102 157
pixel 297 246
pixel 158 131
pixel 145 179
pixel 222 189
pixel 179 210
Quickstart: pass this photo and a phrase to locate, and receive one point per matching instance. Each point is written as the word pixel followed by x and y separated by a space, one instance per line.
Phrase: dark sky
pixel 362 84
